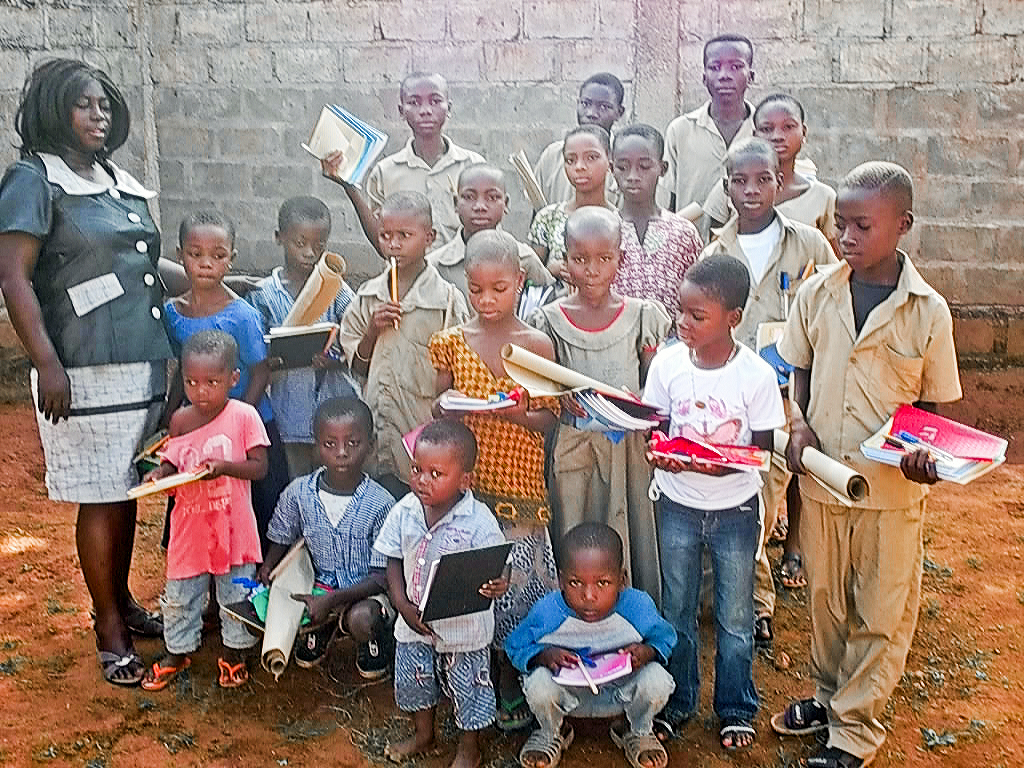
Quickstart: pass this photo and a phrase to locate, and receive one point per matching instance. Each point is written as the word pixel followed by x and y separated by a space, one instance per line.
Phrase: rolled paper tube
pixel 841 480
pixel 294 574
pixel 319 292
pixel 543 378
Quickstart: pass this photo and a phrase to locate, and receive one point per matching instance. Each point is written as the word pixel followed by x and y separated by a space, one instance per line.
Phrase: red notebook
pixel 726 455
pixel 962 441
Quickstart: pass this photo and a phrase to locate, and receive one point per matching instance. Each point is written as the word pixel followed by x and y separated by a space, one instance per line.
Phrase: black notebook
pixel 297 345
pixel 453 585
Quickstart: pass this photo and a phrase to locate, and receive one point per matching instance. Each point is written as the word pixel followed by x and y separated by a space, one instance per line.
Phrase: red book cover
pixel 962 441
pixel 682 447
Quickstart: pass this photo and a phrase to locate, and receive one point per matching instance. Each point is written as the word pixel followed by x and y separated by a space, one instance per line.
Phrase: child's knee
pixel 543 693
pixel 654 682
pixel 364 620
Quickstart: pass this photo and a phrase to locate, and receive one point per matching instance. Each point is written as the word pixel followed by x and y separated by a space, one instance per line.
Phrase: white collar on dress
pixel 58 172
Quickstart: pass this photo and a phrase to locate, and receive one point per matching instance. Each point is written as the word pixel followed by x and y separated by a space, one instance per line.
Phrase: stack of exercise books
pixel 743 457
pixel 604 413
pixel 961 453
pixel 450 401
pixel 360 143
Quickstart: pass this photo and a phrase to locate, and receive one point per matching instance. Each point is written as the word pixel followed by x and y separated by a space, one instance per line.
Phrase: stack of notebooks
pixel 456 402
pixel 961 453
pixel 745 457
pixel 360 143
pixel 607 414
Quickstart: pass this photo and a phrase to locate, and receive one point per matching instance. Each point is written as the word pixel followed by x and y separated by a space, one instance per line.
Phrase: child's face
pixel 593 261
pixel 342 446
pixel 437 477
pixel 869 225
pixel 208 382
pixel 597 105
pixel 493 289
pixel 752 184
pixel 591 583
pixel 585 161
pixel 702 320
pixel 637 167
pixel 780 124
pixel 424 105
pixel 481 202
pixel 304 241
pixel 404 236
pixel 727 71
pixel 206 253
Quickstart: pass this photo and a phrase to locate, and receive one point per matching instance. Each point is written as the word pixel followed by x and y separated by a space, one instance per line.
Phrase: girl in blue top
pixel 206 249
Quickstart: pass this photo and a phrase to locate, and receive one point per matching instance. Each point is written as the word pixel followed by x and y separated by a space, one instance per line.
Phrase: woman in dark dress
pixel 78 270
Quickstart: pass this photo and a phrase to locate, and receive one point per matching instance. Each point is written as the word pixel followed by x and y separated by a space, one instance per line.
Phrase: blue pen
pixel 914 440
pixel 784 286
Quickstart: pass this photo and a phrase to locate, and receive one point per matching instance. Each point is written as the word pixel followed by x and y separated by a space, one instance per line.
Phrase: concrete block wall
pixel 223 91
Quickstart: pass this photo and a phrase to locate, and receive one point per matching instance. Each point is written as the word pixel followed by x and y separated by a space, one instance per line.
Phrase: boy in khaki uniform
pixel 866 336
pixel 769 245
pixel 696 142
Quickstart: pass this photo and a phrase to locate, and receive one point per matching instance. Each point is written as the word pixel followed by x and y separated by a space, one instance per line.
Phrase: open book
pixel 297 344
pixel 606 667
pixel 961 453
pixel 453 584
pixel 361 143
pixel 167 483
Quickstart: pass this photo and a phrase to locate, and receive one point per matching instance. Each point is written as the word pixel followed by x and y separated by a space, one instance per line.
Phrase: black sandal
pixel 732 728
pixel 669 723
pixel 833 757
pixel 801 718
pixel 144 623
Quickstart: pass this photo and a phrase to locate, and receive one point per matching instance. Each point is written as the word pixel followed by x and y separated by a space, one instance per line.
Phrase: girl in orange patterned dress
pixel 509 474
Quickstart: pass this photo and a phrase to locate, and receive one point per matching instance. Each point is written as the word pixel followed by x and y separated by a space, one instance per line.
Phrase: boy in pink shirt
pixel 213 527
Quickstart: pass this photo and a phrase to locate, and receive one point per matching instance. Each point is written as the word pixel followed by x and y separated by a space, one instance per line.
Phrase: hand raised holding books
pixel 555 658
pixel 919 467
pixel 330 164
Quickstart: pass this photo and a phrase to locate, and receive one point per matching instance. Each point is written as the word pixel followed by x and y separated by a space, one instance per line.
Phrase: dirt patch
pixel 959 705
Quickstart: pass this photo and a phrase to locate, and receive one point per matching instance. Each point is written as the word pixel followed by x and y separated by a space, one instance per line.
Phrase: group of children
pixel 635 309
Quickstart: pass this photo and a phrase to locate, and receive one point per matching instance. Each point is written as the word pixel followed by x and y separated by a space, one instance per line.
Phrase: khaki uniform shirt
pixel 815 207
pixel 695 151
pixel 450 260
pixel 405 171
pixel 903 354
pixel 767 301
pixel 400 384
pixel 550 173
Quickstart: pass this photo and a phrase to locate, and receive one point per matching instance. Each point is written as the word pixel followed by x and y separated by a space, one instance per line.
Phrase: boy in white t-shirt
pixel 715 390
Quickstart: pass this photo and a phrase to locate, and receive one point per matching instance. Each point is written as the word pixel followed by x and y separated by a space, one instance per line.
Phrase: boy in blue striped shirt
pixel 339 511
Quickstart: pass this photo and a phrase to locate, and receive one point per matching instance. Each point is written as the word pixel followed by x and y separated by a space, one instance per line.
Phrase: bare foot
pixel 402 750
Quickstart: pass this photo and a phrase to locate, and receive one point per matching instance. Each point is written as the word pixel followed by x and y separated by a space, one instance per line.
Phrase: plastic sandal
pixel 552 748
pixel 517 715
pixel 145 623
pixel 112 663
pixel 732 728
pixel 635 744
pixel 162 676
pixel 232 675
pixel 669 723
pixel 832 757
pixel 801 718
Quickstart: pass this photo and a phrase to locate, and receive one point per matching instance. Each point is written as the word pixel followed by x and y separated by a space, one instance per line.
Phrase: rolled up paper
pixel 294 574
pixel 843 482
pixel 543 378
pixel 321 288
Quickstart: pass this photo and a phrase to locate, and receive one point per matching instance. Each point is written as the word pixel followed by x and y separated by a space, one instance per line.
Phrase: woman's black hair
pixel 43 120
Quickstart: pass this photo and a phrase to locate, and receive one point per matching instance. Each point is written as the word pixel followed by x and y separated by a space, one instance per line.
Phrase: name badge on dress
pixel 87 296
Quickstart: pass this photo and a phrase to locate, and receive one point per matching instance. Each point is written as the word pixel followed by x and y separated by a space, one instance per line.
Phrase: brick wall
pixel 223 92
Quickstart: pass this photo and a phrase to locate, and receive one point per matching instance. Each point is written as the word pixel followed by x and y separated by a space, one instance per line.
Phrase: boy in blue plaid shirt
pixel 339 510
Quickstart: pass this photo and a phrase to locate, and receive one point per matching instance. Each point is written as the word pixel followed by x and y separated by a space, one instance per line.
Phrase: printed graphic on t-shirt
pixel 707 421
pixel 212 496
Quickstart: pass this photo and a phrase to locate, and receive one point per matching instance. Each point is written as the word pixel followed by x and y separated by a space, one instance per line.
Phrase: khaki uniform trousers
pixel 773 496
pixel 863 571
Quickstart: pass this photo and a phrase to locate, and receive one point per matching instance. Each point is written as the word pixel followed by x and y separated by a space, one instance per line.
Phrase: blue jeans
pixel 731 536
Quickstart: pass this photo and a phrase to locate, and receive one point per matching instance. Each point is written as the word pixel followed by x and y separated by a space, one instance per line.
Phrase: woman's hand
pixel 53 389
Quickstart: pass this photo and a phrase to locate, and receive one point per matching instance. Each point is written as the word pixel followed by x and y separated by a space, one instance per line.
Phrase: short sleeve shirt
pixel 902 355
pixel 654 268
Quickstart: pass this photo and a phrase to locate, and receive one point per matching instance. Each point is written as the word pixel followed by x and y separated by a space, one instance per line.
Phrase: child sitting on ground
pixel 776 252
pixel 657 246
pixel 429 163
pixel 440 516
pixel 385 341
pixel 610 338
pixel 339 512
pixel 715 390
pixel 303 226
pixel 866 336
pixel 595 613
pixel 481 203
pixel 213 529
pixel 600 102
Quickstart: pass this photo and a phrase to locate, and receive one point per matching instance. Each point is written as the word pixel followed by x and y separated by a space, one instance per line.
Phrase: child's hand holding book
pixel 555 658
pixel 495 588
pixel 640 654
pixel 330 165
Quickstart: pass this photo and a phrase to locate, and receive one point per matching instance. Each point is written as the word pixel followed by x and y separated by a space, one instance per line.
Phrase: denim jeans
pixel 182 604
pixel 731 536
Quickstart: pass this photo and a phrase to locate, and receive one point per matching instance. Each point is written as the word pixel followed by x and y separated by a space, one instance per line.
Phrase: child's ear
pixel 664 168
pixel 466 481
pixel 431 236
pixel 235 376
pixel 778 179
pixel 234 255
pixel 906 221
pixel 750 80
pixel 277 237
pixel 504 208
pixel 177 254
pixel 735 315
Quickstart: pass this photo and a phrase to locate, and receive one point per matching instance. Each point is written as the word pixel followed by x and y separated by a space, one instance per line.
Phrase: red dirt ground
pixel 964 684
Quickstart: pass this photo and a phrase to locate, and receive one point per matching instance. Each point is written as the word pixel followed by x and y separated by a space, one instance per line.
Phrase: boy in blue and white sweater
pixel 594 613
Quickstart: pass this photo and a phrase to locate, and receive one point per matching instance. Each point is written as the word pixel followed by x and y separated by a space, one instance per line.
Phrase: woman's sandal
pixel 763 633
pixel 552 748
pixel 832 757
pixel 793 571
pixel 669 723
pixel 801 718
pixel 144 623
pixel 513 715
pixel 635 744
pixel 124 670
pixel 732 728
pixel 232 675
pixel 161 675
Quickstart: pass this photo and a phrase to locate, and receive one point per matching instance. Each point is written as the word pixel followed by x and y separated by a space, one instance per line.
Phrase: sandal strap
pixel 805 713
pixel 550 745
